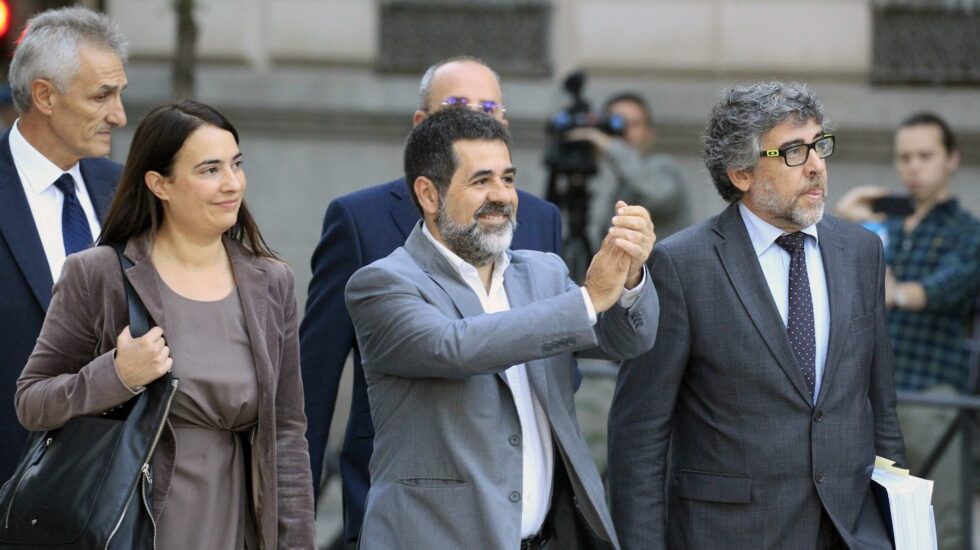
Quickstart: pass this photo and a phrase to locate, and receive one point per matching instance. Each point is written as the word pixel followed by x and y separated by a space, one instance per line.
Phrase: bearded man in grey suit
pixel 771 378
pixel 467 352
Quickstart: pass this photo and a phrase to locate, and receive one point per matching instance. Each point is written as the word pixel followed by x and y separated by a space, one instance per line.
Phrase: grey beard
pixel 477 246
pixel 788 210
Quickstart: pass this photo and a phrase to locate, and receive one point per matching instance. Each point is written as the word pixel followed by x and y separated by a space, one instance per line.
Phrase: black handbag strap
pixel 139 319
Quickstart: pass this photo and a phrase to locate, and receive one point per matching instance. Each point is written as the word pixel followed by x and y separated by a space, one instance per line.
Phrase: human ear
pixel 741 179
pixel 157 184
pixel 43 95
pixel 427 195
pixel 953 161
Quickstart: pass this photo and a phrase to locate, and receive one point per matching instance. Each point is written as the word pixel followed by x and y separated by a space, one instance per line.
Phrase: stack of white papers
pixel 906 506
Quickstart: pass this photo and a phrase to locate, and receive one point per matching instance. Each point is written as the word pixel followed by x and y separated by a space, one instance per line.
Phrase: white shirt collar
pixel 465 269
pixel 39 172
pixel 762 233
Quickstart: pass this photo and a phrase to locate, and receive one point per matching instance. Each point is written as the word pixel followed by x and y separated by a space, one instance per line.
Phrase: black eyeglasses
pixel 796 155
pixel 488 106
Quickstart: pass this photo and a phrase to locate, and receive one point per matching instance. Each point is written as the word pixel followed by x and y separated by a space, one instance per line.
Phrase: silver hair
pixel 425 85
pixel 49 49
pixel 740 118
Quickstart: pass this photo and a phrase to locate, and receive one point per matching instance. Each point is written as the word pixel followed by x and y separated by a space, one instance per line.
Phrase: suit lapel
pixel 144 278
pixel 252 285
pixel 442 273
pixel 19 230
pixel 839 280
pixel 742 266
pixel 99 185
pixel 438 268
pixel 402 210
pixel 517 284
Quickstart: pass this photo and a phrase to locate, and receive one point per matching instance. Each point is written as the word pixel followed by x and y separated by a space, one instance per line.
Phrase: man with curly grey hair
pixel 771 380
pixel 66 77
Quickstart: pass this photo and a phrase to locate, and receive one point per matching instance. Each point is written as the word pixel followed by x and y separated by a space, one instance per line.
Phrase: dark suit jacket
pixel 752 460
pixel 25 278
pixel 358 229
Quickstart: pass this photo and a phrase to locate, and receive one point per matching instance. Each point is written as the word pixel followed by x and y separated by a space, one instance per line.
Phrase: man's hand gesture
pixel 619 262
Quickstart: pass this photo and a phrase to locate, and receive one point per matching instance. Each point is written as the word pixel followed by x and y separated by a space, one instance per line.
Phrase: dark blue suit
pixel 25 284
pixel 358 229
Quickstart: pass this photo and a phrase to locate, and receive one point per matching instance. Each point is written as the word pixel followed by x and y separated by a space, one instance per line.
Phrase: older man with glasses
pixel 771 381
pixel 360 228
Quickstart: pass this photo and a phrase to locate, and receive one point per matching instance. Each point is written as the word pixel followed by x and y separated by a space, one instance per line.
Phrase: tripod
pixel 570 192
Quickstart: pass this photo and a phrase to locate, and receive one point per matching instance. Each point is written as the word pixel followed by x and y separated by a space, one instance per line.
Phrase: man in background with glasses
pixel 365 226
pixel 771 380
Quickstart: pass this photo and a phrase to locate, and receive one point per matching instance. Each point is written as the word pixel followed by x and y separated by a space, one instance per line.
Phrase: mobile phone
pixel 893 205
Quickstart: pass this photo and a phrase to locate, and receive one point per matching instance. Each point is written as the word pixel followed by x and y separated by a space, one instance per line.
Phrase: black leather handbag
pixel 87 485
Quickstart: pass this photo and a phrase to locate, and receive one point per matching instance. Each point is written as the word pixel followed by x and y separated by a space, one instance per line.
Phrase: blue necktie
pixel 74 224
pixel 800 319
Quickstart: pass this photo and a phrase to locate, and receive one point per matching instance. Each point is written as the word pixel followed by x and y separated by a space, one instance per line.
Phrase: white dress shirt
pixel 37 175
pixel 775 265
pixel 538 450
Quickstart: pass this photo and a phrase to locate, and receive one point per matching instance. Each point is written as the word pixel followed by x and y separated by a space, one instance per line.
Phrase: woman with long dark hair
pixel 232 469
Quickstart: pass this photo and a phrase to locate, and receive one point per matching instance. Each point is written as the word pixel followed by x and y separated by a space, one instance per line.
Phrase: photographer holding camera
pixel 631 171
pixel 932 249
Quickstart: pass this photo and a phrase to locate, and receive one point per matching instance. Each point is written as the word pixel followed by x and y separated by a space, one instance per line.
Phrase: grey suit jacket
pixel 752 460
pixel 447 465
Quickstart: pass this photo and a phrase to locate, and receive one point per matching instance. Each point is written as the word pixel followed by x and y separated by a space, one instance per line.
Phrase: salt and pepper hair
pixel 732 139
pixel 429 148
pixel 425 85
pixel 49 49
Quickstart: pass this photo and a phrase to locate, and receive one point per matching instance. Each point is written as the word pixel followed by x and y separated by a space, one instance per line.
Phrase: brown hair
pixel 135 209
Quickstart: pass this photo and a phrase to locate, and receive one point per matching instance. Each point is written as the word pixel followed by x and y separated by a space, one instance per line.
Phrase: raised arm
pixel 401 332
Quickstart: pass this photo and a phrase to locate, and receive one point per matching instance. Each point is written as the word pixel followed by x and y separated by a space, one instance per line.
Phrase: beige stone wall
pixel 693 36
pixel 257 32
pixel 711 36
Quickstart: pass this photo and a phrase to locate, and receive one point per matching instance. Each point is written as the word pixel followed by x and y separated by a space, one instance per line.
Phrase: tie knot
pixel 65 184
pixel 792 242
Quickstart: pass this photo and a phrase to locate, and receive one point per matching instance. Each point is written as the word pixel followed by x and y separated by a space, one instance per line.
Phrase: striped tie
pixel 74 225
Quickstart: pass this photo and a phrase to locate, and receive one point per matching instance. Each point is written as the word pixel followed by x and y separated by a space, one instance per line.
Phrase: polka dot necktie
pixel 74 224
pixel 800 324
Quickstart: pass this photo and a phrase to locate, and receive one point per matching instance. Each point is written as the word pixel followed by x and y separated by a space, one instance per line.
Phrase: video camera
pixel 576 157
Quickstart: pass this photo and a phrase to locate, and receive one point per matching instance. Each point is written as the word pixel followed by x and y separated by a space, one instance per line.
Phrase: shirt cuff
pixel 593 318
pixel 632 295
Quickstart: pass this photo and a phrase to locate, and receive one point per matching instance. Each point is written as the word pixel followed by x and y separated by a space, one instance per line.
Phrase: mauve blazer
pixel 72 372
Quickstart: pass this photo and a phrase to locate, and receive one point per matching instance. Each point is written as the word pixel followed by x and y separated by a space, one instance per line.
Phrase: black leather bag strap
pixel 139 319
pixel 92 467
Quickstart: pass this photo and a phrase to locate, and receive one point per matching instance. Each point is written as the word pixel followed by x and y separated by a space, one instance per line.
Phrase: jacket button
pixel 818 477
pixel 818 416
pixel 515 440
pixel 515 497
